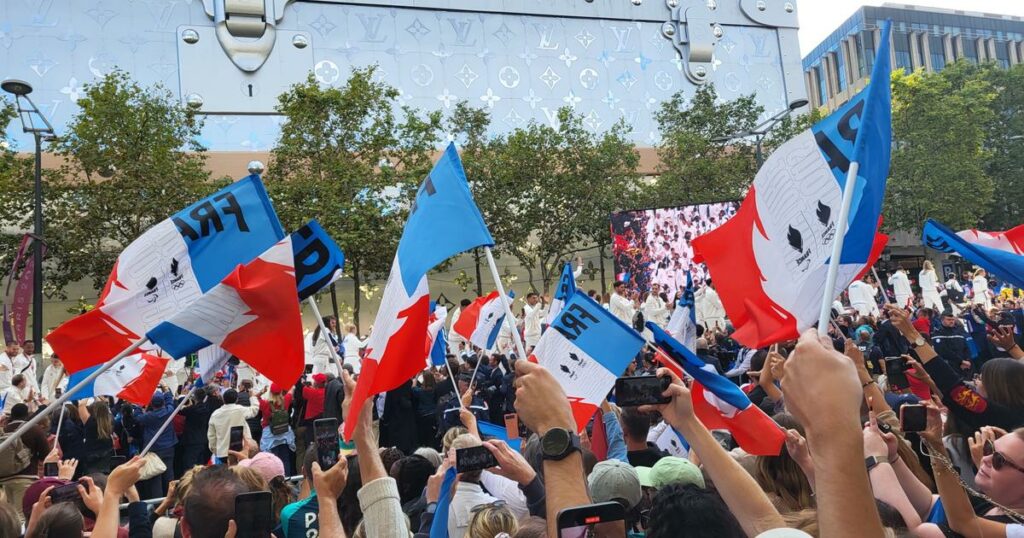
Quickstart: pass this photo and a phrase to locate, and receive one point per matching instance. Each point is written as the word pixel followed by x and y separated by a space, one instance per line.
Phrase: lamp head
pixel 799 103
pixel 16 87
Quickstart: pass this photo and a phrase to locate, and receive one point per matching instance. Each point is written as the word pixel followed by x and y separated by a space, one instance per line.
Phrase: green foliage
pixel 15 191
pixel 343 159
pixel 131 158
pixel 696 168
pixel 1005 142
pixel 938 169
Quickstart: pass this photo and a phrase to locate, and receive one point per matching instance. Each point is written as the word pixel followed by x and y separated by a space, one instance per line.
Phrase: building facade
pixel 927 38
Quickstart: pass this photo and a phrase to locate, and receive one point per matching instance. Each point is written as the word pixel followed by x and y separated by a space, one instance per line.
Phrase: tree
pixel 938 163
pixel 131 158
pixel 550 190
pixel 1005 142
pixel 343 159
pixel 15 192
pixel 695 168
pixel 468 126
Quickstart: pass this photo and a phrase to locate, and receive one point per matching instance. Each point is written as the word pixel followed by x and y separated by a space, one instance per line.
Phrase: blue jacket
pixel 152 420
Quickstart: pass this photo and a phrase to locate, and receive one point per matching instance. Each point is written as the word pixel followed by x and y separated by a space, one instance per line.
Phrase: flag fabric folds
pixel 720 404
pixel 169 267
pixel 770 261
pixel 318 260
pixel 443 221
pixel 439 526
pixel 437 344
pixel 135 379
pixel 253 314
pixel 999 253
pixel 683 323
pixel 585 349
pixel 494 431
pixel 480 322
pixel 566 287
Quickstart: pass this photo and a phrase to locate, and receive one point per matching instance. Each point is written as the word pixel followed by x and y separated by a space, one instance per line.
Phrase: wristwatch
pixel 919 341
pixel 557 443
pixel 871 461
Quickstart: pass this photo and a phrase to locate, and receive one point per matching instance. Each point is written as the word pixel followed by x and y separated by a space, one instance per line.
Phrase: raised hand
pixel 540 401
pixel 511 464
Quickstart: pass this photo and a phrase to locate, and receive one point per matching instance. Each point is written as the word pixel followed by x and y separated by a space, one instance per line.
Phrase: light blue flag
pixel 498 432
pixel 566 287
pixel 439 527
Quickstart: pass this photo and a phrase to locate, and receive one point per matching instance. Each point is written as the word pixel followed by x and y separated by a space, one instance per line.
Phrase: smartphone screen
pixel 325 431
pixel 602 520
pixel 512 426
pixel 474 458
pixel 50 468
pixel 236 439
pixel 640 390
pixel 64 494
pixel 895 373
pixel 913 418
pixel 253 514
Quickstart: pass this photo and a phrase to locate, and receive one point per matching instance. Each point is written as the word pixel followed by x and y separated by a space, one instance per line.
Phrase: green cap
pixel 673 470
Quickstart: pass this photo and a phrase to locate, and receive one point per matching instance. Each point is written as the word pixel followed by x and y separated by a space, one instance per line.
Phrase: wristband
pixel 865 385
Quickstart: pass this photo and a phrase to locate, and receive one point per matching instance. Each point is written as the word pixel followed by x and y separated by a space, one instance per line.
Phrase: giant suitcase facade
pixel 521 59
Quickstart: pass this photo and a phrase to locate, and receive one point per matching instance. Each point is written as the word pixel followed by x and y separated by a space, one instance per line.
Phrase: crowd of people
pixel 853 463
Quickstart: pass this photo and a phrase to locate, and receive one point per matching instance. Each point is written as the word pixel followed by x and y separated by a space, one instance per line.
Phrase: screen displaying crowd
pixel 652 246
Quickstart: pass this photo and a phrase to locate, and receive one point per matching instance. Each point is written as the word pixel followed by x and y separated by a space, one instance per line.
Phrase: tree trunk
pixel 355 296
pixel 479 280
pixel 334 305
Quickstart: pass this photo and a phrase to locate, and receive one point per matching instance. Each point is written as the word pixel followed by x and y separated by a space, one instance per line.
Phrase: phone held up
pixel 325 432
pixel 913 418
pixel 253 514
pixel 896 373
pixel 641 390
pixel 601 520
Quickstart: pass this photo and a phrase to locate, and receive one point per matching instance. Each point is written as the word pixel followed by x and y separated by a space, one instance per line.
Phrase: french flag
pixel 169 267
pixel 252 314
pixel 566 287
pixel 683 323
pixel 720 404
pixel 771 260
pixel 586 348
pixel 437 344
pixel 480 322
pixel 443 221
pixel 999 253
pixel 134 379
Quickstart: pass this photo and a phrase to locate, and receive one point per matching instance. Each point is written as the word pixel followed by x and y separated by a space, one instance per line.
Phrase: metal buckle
pixel 246 28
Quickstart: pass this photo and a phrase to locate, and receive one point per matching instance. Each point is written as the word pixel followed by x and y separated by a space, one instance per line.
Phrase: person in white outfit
pixel 455 340
pixel 351 344
pixel 534 312
pixel 901 286
pixel 862 296
pixel 54 377
pixel 654 308
pixel 619 305
pixel 710 310
pixel 929 282
pixel 954 293
pixel 979 285
pixel 323 359
pixel 7 364
pixel 25 363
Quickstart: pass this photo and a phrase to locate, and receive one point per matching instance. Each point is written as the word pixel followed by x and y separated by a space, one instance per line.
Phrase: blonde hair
pixel 804 520
pixel 450 435
pixel 253 480
pixel 927 265
pixel 491 521
pixel 979 272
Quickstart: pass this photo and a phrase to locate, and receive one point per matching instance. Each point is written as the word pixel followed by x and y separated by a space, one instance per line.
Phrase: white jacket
pixel 928 281
pixel 53 377
pixel 218 434
pixel 862 297
pixel 900 284
pixel 654 310
pixel 622 308
pixel 532 320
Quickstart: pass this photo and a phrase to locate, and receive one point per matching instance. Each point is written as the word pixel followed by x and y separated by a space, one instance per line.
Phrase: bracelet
pixel 865 385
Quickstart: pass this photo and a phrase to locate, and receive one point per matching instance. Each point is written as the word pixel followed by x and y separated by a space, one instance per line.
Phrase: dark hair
pixel 17 379
pixel 19 412
pixel 1002 379
pixel 230 396
pixel 60 520
pixel 316 331
pixel 348 502
pixel 635 424
pixel 389 456
pixel 531 294
pixel 618 283
pixel 411 474
pixel 690 509
pixel 465 302
pixel 210 503
pixel 532 527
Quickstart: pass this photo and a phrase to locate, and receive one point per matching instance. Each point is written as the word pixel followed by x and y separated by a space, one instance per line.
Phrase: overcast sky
pixel 819 17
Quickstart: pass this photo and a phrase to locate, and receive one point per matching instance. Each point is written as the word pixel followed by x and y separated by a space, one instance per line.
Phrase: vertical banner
pixel 15 316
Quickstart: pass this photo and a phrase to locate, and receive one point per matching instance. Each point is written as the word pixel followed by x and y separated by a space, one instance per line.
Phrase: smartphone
pixel 58 392
pixel 253 514
pixel 641 390
pixel 65 494
pixel 895 372
pixel 325 431
pixel 117 460
pixel 913 418
pixel 512 425
pixel 474 458
pixel 50 468
pixel 308 369
pixel 237 444
pixel 602 520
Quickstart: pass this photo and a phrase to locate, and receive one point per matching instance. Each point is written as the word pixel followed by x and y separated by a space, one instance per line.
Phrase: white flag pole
pixel 455 384
pixel 510 320
pixel 885 292
pixel 167 422
pixel 323 329
pixel 60 421
pixel 71 390
pixel 837 249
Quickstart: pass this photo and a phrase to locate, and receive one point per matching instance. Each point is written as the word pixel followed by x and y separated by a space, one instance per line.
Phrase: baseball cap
pixel 319 379
pixel 644 473
pixel 673 470
pixel 266 464
pixel 614 479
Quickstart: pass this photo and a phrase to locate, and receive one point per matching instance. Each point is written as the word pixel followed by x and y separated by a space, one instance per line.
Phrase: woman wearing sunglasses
pixel 1000 481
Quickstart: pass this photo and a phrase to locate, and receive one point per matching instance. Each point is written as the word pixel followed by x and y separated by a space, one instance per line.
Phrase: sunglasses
pixel 480 507
pixel 998 459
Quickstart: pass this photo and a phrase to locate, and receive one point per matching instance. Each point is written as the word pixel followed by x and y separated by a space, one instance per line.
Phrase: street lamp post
pixel 27 113
pixel 761 131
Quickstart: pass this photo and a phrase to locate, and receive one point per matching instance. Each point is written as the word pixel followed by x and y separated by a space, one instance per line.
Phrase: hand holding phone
pixel 601 520
pixel 895 373
pixel 641 390
pixel 237 442
pixel 253 514
pixel 325 431
pixel 475 458
pixel 913 418
pixel 65 494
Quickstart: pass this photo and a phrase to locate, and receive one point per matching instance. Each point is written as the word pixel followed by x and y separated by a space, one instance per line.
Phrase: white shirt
pixel 861 293
pixel 467 496
pixel 218 434
pixel 352 344
pixel 900 284
pixel 26 366
pixel 11 396
pixel 622 308
pixel 654 310
pixel 578 272
pixel 6 370
pixel 508 491
pixel 534 316
pixel 53 377
pixel 929 283
pixel 979 285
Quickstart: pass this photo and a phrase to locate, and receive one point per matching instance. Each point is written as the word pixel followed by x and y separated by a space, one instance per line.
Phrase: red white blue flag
pixel 999 253
pixel 566 287
pixel 443 221
pixel 133 379
pixel 720 404
pixel 437 344
pixel 770 261
pixel 585 349
pixel 480 322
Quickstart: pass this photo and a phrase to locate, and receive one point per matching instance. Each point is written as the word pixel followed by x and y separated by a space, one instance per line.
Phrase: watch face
pixel 555 442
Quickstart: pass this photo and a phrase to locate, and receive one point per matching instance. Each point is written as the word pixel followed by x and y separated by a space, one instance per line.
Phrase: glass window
pixel 868 38
pixel 938 52
pixel 1003 54
pixel 858 44
pixel 970 50
pixel 822 87
pixel 901 45
pixel 840 64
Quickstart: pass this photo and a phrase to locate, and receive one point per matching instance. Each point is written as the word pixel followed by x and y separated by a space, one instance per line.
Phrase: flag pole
pixel 60 421
pixel 71 390
pixel 455 385
pixel 509 318
pixel 837 249
pixel 167 422
pixel 323 329
pixel 885 292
